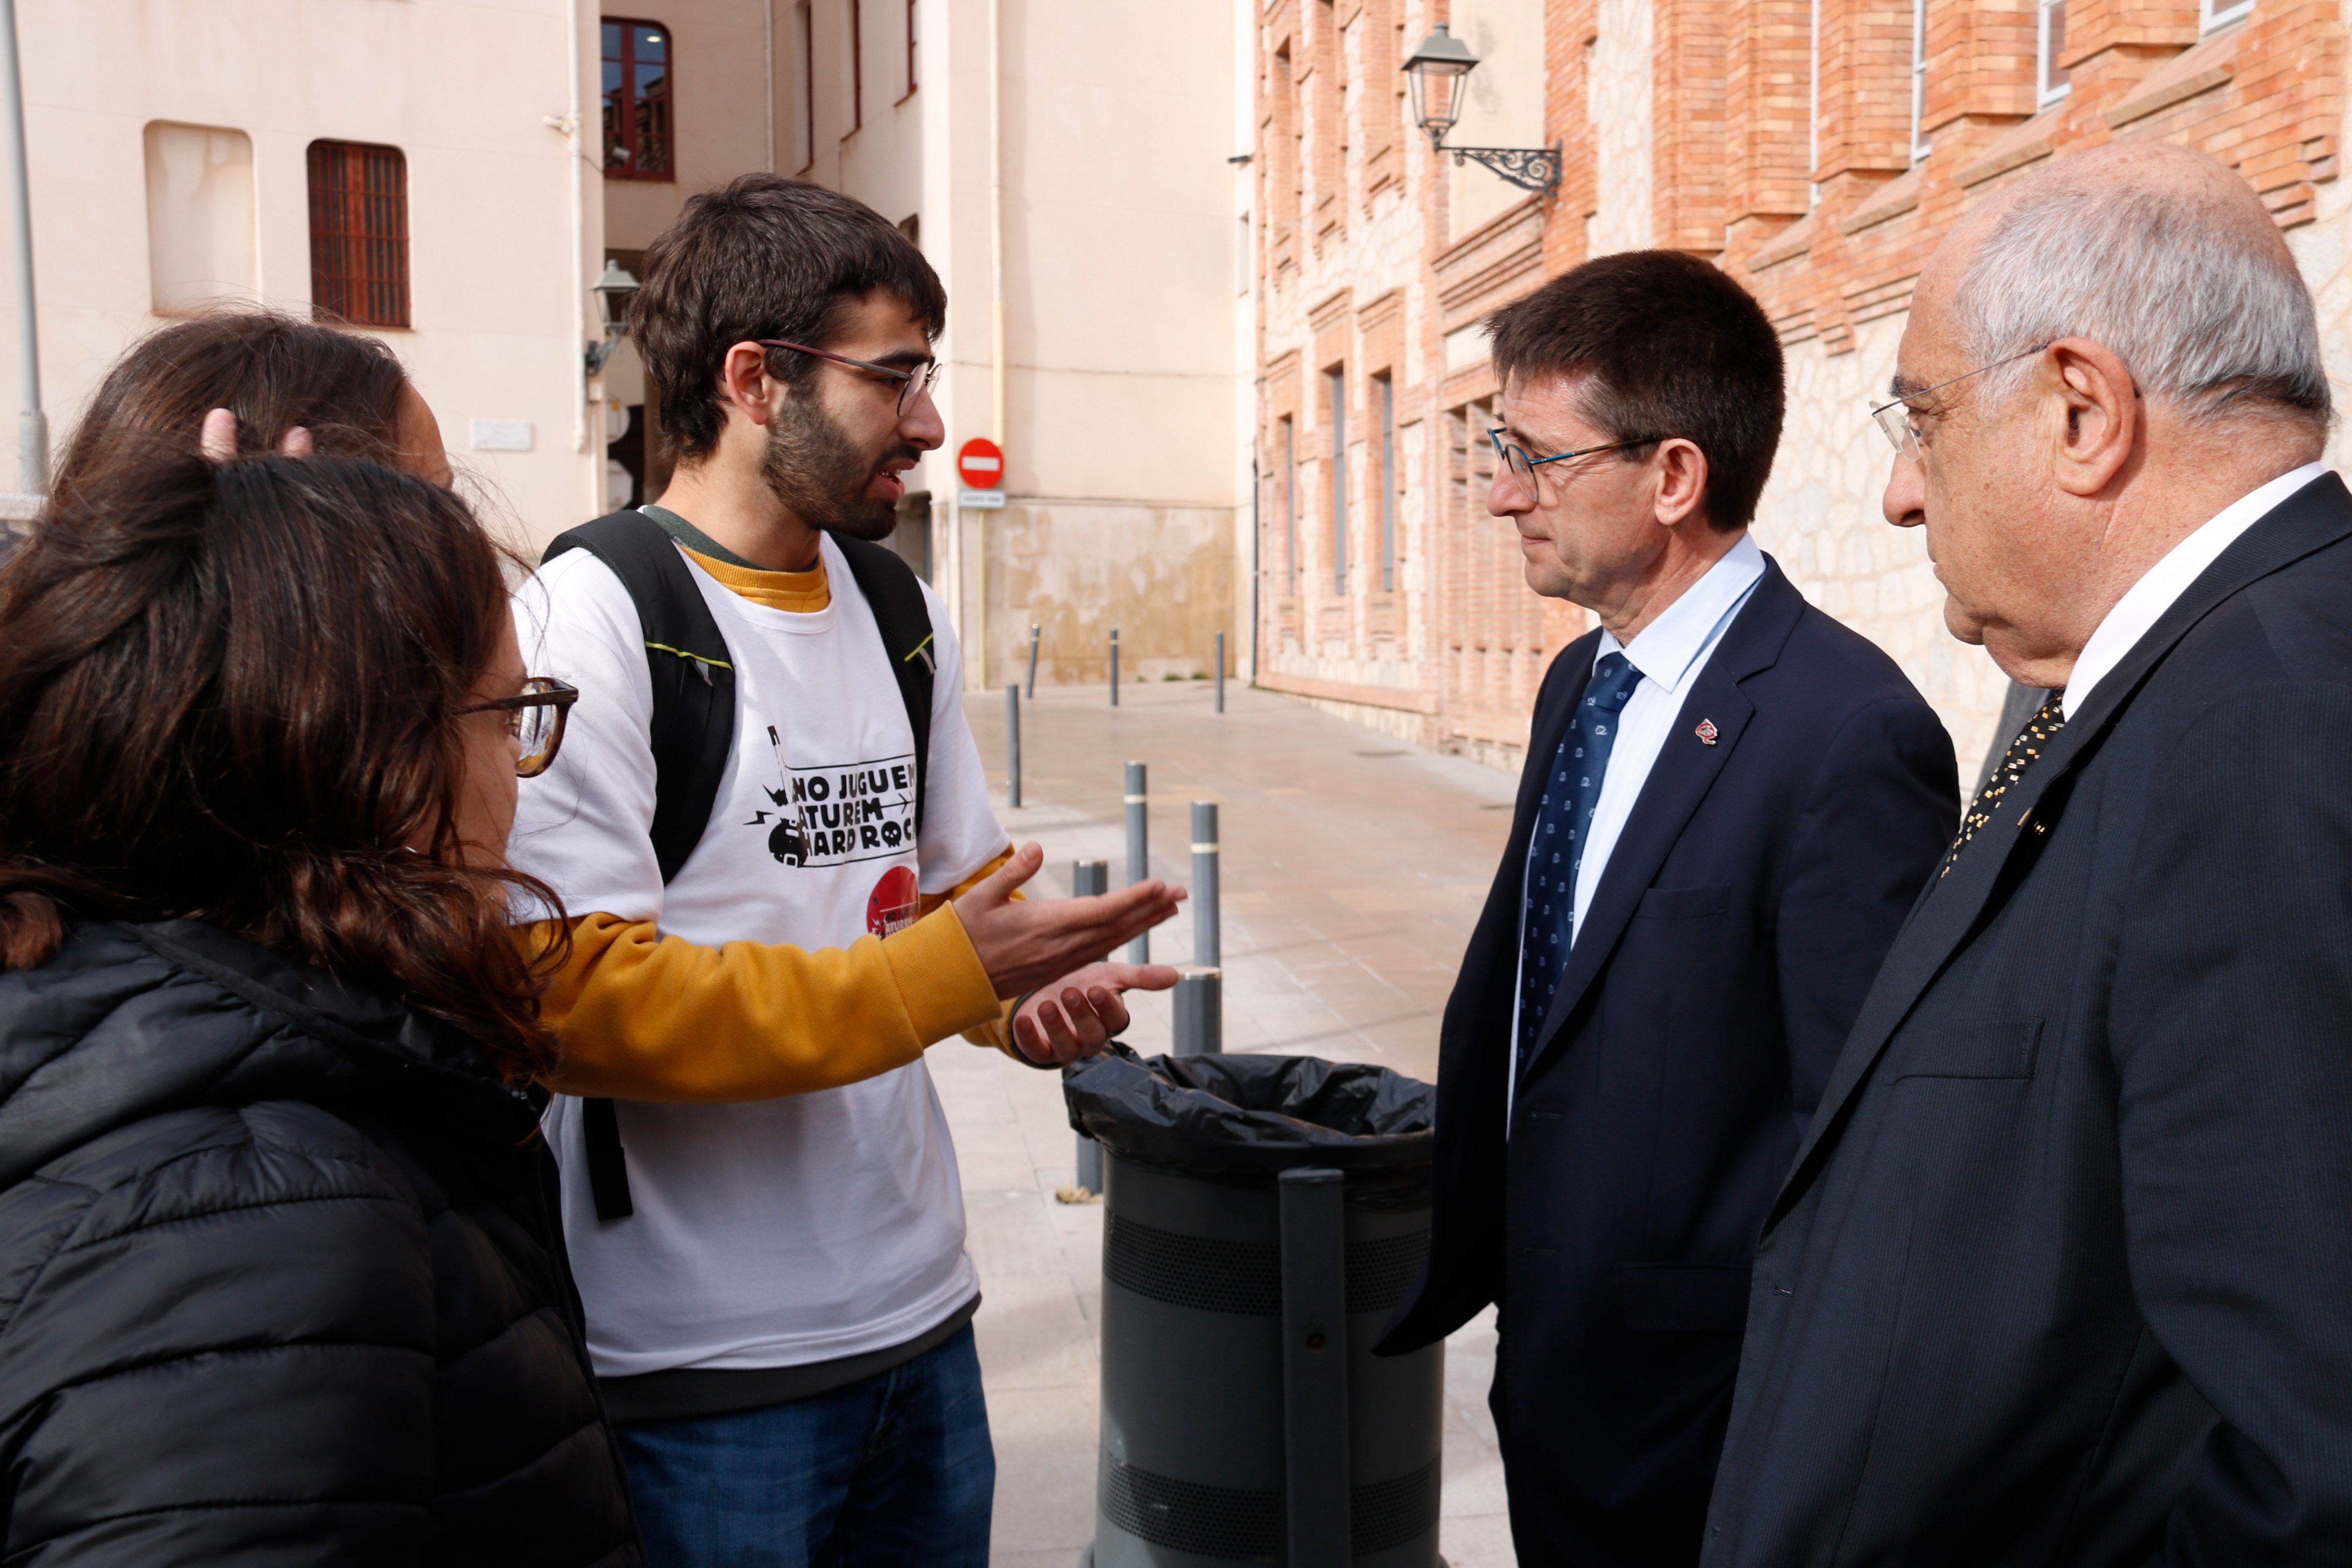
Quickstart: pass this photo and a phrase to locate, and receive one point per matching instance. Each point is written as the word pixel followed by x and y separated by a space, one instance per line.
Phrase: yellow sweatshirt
pixel 640 1015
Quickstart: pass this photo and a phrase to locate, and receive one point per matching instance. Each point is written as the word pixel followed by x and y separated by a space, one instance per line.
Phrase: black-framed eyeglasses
pixel 535 719
pixel 1522 466
pixel 912 383
pixel 1894 418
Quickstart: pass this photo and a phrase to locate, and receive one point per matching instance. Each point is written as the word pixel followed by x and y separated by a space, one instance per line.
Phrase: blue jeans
pixel 893 1469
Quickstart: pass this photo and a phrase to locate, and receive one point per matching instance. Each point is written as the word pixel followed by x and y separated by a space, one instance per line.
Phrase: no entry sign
pixel 980 464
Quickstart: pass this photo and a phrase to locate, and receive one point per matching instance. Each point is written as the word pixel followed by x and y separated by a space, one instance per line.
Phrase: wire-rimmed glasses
pixel 535 719
pixel 912 383
pixel 1523 466
pixel 1894 418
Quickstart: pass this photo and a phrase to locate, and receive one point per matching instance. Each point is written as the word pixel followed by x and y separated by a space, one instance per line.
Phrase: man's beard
pixel 814 469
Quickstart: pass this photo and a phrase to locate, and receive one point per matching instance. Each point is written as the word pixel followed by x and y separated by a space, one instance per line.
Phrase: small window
pixel 359 233
pixel 1290 505
pixel 1919 147
pixel 637 100
pixel 1384 389
pixel 2213 13
pixel 808 84
pixel 1335 386
pixel 857 66
pixel 200 234
pixel 2052 78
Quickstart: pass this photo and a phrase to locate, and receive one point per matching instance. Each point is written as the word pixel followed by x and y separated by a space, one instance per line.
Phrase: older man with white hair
pixel 2062 1272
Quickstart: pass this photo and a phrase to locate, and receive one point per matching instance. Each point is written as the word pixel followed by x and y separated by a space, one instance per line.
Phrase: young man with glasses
pixel 778 1300
pixel 1730 802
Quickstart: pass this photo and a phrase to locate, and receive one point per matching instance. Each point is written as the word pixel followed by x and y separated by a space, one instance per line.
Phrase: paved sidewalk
pixel 1353 869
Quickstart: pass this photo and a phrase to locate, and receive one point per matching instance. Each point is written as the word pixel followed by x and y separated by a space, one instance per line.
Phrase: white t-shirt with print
pixel 794 1230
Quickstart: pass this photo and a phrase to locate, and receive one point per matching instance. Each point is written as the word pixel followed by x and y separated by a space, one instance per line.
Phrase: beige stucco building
pixel 171 145
pixel 1067 167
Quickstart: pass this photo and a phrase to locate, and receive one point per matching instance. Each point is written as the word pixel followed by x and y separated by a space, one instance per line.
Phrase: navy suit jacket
pixel 1738 923
pixel 2063 1273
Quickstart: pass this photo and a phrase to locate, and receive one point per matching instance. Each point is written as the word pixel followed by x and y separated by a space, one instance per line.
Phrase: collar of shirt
pixel 1668 649
pixel 2165 582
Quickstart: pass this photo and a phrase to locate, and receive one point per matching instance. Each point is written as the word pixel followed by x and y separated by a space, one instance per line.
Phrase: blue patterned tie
pixel 1563 821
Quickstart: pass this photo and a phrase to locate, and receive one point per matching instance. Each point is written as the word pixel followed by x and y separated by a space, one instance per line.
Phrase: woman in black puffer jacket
pixel 281 1275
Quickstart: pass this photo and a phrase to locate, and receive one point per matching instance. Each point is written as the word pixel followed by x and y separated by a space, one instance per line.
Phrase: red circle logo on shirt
pixel 895 901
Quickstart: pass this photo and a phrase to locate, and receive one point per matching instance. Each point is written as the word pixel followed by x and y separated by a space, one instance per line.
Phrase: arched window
pixel 637 60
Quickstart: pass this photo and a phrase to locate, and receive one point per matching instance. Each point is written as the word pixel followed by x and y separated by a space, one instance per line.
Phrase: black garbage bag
pixel 1254 1116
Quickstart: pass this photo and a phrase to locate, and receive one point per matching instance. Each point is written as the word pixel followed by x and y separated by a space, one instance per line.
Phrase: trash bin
pixel 1263 1216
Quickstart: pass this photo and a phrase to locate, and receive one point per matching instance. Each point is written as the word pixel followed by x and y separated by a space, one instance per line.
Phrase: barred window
pixel 359 233
pixel 637 100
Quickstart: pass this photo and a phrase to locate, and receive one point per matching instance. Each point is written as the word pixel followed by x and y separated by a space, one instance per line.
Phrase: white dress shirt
pixel 1669 652
pixel 2165 582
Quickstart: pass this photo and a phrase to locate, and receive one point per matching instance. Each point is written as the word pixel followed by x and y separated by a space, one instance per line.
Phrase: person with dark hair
pixel 1730 802
pixel 276 374
pixel 281 1275
pixel 774 836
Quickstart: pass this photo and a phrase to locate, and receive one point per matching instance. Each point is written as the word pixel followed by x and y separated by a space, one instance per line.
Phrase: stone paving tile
pixel 1352 874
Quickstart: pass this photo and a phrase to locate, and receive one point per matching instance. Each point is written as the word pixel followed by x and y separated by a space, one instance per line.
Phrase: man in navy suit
pixel 1730 802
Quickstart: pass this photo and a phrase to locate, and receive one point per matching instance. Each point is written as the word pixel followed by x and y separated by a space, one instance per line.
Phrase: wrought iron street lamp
pixel 1435 72
pixel 612 288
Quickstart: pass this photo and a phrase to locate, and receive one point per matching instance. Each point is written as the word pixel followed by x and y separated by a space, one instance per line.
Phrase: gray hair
pixel 2203 314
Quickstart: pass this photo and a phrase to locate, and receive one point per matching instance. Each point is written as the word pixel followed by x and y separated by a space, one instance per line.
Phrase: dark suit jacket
pixel 2064 1274
pixel 1733 935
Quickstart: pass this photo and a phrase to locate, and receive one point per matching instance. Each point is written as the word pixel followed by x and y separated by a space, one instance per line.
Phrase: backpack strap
pixel 692 731
pixel 693 675
pixel 896 597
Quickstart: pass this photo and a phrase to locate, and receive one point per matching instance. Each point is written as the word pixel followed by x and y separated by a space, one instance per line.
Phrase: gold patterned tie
pixel 2039 732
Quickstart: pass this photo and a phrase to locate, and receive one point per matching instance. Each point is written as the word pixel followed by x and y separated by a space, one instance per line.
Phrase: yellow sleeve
pixel 640 1015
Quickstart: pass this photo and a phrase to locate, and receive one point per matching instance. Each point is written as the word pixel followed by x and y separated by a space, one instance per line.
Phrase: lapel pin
pixel 1708 732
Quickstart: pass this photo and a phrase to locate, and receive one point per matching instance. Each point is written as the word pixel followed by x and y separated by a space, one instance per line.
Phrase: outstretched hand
pixel 1026 945
pixel 1077 1015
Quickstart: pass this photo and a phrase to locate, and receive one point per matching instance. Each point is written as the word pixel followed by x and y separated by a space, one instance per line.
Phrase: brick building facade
pixel 1817 149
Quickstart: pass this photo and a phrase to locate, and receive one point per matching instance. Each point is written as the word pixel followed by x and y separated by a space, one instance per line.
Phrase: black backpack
pixel 694 716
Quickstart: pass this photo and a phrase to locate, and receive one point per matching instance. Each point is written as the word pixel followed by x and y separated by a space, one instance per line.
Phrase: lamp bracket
pixel 1529 168
pixel 599 353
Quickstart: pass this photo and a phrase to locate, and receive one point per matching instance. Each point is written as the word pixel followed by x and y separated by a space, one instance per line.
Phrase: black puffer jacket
pixel 280 1280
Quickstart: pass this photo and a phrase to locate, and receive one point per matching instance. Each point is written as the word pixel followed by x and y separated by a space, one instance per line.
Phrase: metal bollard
pixel 1199 1012
pixel 1012 747
pixel 1220 672
pixel 1113 666
pixel 1138 847
pixel 1207 939
pixel 1033 661
pixel 1089 878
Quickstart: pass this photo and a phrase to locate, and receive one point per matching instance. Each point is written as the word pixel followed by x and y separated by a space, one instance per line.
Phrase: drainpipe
pixel 32 424
pixel 574 333
pixel 768 31
pixel 995 298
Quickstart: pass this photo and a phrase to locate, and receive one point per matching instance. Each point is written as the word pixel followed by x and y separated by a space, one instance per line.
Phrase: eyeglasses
pixel 913 383
pixel 1516 459
pixel 1894 419
pixel 535 719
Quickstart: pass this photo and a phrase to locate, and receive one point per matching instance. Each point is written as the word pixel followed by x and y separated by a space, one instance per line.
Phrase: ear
pixel 2093 407
pixel 1681 470
pixel 745 388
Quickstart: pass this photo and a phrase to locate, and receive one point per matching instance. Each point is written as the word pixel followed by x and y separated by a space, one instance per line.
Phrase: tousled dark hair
pixel 761 257
pixel 1667 345
pixel 272 370
pixel 230 694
